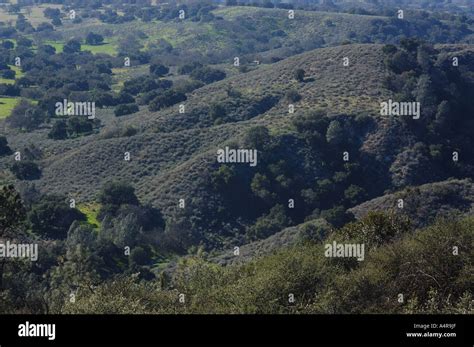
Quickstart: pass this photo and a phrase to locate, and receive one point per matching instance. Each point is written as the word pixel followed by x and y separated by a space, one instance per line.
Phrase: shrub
pixel 25 170
pixel 270 223
pixel 158 70
pixel 261 187
pixel 168 98
pixel 376 228
pixel 337 216
pixel 79 125
pixel 59 130
pixel 189 68
pixel 4 148
pixel 44 27
pixel 140 256
pixel 389 49
pixel 299 75
pixel 117 193
pixel 354 194
pixel 222 177
pixel 12 211
pixel 8 44
pixel 125 109
pixel 217 111
pixel 51 12
pixel 94 39
pixel 315 231
pixel 293 95
pixel 124 98
pixel 52 216
pixel 26 116
pixel 208 75
pixel 72 46
pixel 257 137
pixel 57 22
pixel 8 74
pixel 335 134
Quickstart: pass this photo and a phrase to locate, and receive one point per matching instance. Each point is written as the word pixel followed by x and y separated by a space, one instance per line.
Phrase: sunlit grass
pixel 18 74
pixel 91 210
pixel 6 106
pixel 106 48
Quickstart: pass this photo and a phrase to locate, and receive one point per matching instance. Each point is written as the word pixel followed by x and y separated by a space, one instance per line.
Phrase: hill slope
pixel 169 139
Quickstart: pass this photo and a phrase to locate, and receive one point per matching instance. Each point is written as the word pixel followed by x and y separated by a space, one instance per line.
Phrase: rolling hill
pixel 173 154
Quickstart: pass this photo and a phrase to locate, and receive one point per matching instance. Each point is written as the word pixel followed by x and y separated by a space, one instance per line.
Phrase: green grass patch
pixel 105 48
pixel 18 72
pixel 234 11
pixel 117 87
pixel 6 81
pixel 57 45
pixel 167 33
pixel 6 106
pixel 91 210
pixel 120 75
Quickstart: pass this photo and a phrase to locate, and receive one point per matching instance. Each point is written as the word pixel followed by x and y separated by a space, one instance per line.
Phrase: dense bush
pixel 410 265
pixel 166 99
pixel 26 116
pixel 59 130
pixel 158 69
pixel 299 75
pixel 117 193
pixel 124 109
pixel 269 224
pixel 52 216
pixel 207 74
pixel 4 148
pixel 145 84
pixel 71 127
pixel 72 46
pixel 12 211
pixel 8 74
pixel 189 68
pixel 94 39
pixel 25 170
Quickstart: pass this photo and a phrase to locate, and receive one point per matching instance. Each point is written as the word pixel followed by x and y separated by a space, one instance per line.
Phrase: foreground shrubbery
pixel 419 265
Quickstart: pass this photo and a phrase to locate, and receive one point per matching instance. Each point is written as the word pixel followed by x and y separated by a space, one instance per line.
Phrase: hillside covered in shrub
pixel 117 116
